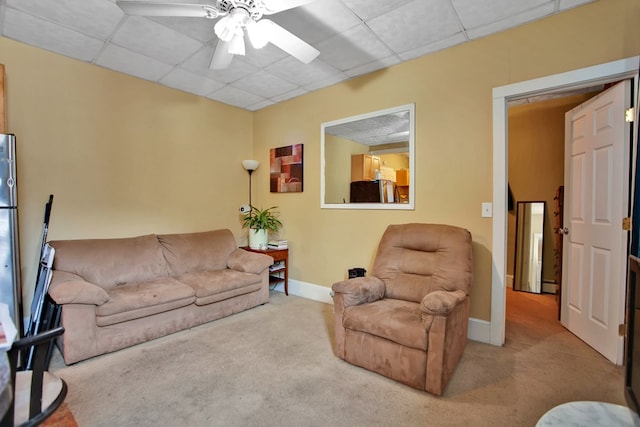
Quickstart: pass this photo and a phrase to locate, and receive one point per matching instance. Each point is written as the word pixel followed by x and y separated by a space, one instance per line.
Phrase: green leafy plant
pixel 265 219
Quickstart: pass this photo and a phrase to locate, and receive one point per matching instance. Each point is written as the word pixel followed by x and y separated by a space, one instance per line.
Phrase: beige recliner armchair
pixel 408 319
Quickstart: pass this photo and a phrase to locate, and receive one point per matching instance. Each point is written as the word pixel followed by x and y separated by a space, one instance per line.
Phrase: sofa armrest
pixel 360 290
pixel 441 302
pixel 248 262
pixel 69 288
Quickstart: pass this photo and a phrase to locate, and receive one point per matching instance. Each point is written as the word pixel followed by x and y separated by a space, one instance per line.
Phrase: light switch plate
pixel 487 210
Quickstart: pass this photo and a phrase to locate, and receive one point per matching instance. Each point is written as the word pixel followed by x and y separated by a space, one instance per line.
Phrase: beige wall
pixel 452 91
pixel 124 156
pixel 121 156
pixel 536 166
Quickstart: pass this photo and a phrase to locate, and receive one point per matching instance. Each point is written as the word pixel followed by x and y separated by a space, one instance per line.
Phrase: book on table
pixel 278 244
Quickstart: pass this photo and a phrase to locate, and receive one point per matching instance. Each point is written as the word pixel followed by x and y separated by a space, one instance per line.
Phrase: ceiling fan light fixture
pixel 225 28
pixel 234 16
pixel 236 45
pixel 258 34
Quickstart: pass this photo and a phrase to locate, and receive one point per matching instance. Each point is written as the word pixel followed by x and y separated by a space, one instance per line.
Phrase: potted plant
pixel 260 222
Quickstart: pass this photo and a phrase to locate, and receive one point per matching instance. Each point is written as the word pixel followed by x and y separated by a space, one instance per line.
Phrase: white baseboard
pixel 307 290
pixel 549 288
pixel 479 330
pixel 509 278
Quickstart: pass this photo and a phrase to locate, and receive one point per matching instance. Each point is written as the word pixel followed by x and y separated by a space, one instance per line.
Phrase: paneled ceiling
pixel 354 37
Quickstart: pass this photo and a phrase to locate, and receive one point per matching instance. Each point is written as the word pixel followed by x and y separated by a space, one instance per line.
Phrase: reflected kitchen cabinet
pixel 364 167
pixel 402 185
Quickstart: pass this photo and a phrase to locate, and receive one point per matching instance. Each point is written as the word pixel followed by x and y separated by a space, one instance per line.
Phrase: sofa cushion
pixel 135 300
pixel 111 262
pixel 396 320
pixel 203 251
pixel 213 286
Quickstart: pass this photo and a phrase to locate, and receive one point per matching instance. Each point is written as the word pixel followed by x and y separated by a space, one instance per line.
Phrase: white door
pixel 596 201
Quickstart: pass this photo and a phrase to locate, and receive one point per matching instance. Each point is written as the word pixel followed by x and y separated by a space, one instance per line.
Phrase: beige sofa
pixel 116 293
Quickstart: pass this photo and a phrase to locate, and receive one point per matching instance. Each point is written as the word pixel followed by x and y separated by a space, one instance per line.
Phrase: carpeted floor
pixel 274 366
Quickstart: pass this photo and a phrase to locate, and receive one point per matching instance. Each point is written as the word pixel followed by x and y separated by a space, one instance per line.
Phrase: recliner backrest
pixel 416 259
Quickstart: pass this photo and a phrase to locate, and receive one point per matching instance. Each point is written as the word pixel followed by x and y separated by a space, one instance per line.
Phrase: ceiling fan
pixel 236 17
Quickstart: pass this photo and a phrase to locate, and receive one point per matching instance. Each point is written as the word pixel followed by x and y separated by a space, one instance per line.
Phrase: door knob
pixel 565 230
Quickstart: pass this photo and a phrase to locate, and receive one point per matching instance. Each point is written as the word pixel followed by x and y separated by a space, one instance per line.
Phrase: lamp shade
pixel 250 165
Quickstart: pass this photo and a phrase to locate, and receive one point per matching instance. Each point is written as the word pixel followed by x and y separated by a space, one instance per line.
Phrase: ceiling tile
pixel 376 65
pixel 263 57
pixel 199 64
pixel 46 35
pixel 317 21
pixel 264 84
pixel 511 21
pixel 294 71
pixel 123 60
pixel 329 81
pixel 157 41
pixel 367 9
pixel 97 18
pixel 197 28
pixel 189 82
pixel 289 95
pixel 353 48
pixel 260 105
pixel 432 20
pixel 233 96
pixel 568 4
pixel 475 13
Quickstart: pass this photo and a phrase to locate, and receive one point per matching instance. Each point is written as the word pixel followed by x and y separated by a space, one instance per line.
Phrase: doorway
pixel 600 74
pixel 536 134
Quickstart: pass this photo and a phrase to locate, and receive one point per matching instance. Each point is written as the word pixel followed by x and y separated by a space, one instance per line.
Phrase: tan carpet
pixel 274 366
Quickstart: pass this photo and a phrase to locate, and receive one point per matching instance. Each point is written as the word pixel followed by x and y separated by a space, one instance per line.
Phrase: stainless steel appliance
pixel 10 285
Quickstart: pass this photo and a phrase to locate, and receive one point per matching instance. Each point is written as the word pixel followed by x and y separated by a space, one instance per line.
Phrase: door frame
pixel 599 74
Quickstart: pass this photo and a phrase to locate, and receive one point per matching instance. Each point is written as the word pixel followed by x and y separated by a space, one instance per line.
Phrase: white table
pixel 592 414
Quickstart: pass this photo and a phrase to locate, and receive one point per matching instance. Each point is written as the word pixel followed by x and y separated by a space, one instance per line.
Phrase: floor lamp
pixel 250 166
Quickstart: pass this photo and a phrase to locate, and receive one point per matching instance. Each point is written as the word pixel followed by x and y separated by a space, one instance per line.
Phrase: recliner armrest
pixel 69 288
pixel 360 290
pixel 441 302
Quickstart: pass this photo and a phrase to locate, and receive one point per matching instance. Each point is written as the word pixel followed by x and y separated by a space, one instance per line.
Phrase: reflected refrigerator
pixel 10 286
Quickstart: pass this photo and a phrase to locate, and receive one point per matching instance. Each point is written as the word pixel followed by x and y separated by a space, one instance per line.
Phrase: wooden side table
pixel 279 271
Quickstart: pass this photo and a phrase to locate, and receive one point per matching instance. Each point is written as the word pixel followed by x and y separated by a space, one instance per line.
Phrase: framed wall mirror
pixel 530 220
pixel 368 161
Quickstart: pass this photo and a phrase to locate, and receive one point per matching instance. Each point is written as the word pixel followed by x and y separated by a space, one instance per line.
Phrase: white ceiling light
pixel 258 34
pixel 236 45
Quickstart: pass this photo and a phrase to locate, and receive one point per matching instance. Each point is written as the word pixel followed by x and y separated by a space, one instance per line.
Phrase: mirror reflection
pixel 368 160
pixel 530 218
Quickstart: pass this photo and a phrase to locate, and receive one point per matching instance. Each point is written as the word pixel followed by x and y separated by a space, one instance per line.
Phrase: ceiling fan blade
pixel 275 6
pixel 289 42
pixel 221 57
pixel 146 8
